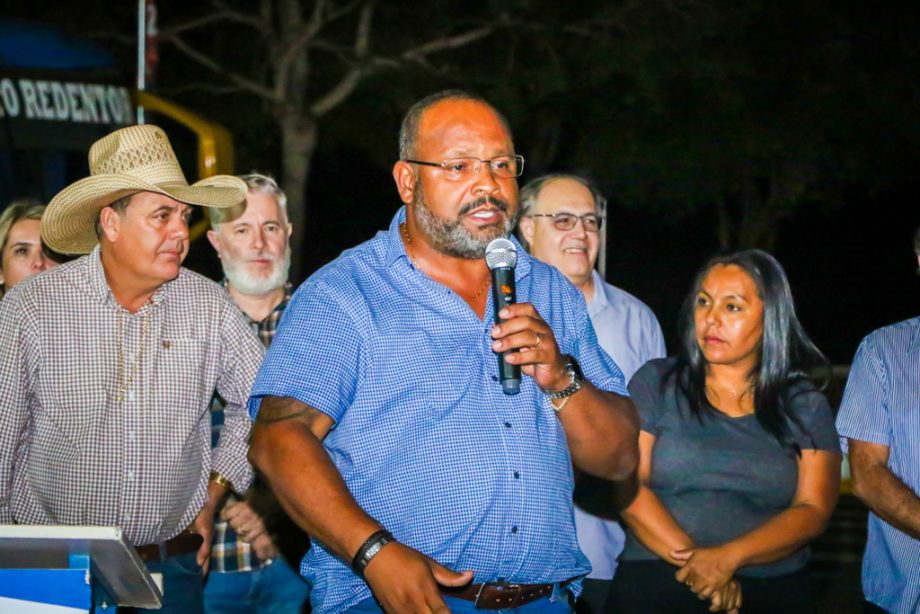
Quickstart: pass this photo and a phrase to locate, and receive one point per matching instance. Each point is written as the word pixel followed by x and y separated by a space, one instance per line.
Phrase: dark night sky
pixel 850 265
pixel 852 269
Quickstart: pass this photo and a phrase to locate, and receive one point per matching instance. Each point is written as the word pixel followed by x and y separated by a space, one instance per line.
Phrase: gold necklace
pixel 409 252
pixel 124 380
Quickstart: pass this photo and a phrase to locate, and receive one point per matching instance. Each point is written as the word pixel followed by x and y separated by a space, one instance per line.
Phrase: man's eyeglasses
pixel 566 221
pixel 458 169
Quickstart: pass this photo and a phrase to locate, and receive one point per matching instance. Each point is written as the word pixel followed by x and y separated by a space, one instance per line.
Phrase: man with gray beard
pixel 248 573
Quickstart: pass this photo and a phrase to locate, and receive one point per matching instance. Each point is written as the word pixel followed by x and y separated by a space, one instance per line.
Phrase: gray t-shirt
pixel 724 477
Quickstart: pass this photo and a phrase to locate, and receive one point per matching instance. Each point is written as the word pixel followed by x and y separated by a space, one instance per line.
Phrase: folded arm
pixel 805 518
pixel 881 490
pixel 648 518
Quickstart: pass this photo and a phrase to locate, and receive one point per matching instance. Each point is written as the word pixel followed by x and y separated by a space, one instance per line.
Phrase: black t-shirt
pixel 724 477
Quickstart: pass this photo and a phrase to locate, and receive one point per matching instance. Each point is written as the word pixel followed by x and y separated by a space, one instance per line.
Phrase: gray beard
pixel 452 237
pixel 244 283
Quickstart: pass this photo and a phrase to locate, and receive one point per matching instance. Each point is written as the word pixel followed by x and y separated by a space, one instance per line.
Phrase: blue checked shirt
pixel 424 437
pixel 881 405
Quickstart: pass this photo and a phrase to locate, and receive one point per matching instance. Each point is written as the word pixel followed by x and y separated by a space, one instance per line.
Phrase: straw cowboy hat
pixel 130 160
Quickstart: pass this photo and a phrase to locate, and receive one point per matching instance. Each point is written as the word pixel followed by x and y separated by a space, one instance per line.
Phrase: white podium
pixel 57 569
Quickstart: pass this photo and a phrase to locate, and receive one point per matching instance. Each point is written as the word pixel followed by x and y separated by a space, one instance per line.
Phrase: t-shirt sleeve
pixel 864 409
pixel 645 391
pixel 315 356
pixel 817 422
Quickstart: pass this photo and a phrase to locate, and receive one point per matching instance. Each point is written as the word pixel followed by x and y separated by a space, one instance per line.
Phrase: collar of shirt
pixel 99 285
pixel 279 308
pixel 598 300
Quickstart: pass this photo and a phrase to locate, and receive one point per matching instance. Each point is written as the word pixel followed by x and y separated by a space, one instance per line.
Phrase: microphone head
pixel 501 253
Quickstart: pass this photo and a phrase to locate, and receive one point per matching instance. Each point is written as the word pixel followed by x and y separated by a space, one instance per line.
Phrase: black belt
pixel 183 543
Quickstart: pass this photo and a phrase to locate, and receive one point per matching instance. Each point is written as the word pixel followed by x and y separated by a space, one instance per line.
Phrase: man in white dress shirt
pixel 560 219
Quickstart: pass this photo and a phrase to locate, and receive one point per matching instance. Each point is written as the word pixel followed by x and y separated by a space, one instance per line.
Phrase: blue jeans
pixel 557 603
pixel 183 587
pixel 272 589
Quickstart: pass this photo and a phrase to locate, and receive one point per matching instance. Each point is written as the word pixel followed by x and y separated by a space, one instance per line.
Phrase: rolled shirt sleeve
pixel 315 357
pixel 241 354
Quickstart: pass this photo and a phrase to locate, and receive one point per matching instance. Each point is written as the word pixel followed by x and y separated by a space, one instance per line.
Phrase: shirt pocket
pixel 182 386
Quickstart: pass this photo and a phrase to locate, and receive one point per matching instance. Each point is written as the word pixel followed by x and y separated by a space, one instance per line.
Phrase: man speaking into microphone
pixel 381 422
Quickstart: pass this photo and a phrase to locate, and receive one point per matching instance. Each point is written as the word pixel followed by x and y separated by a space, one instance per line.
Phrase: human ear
pixel 526 226
pixel 406 181
pixel 214 240
pixel 109 220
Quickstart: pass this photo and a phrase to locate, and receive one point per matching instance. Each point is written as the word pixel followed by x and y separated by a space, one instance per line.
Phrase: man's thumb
pixel 449 577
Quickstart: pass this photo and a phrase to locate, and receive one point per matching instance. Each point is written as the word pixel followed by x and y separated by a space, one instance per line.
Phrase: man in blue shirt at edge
pixel 879 426
pixel 377 408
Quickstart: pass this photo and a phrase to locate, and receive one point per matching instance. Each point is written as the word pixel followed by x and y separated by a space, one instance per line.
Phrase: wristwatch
pixel 576 379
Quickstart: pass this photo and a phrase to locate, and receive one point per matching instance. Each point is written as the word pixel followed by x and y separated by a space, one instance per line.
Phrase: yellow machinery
pixel 215 144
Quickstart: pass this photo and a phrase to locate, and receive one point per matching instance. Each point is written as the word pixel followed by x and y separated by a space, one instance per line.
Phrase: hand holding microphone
pixel 522 337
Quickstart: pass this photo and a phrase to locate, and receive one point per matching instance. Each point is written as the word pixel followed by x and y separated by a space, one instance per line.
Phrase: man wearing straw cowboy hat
pixel 110 362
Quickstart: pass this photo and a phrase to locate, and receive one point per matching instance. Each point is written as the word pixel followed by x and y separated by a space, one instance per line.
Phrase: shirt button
pixel 130 475
pixel 507 425
pixel 127 516
pixel 494 378
pixel 130 395
pixel 517 476
pixel 514 529
pixel 131 436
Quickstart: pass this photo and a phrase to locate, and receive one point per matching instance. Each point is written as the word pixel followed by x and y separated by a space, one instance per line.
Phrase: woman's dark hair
pixel 785 350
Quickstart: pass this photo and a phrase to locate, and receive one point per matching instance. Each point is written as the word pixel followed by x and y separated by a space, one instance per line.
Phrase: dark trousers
pixel 649 587
pixel 593 598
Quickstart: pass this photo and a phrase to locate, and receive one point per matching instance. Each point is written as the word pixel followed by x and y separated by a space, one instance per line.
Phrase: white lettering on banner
pixel 73 98
pixel 63 101
pixel 119 105
pixel 9 97
pixel 99 95
pixel 44 93
pixel 127 107
pixel 86 95
pixel 61 107
pixel 28 95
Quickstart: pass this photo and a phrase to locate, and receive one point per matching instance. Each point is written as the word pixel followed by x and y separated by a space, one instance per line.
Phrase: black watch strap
pixel 369 550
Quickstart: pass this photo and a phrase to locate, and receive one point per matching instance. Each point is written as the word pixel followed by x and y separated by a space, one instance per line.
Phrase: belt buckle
pixel 478 595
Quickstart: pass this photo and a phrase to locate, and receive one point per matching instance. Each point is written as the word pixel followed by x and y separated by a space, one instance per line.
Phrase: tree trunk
pixel 298 142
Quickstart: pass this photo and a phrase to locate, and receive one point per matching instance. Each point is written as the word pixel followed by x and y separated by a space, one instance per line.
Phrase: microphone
pixel 501 257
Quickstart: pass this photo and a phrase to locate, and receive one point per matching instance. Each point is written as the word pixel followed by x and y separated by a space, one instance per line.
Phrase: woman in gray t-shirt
pixel 739 459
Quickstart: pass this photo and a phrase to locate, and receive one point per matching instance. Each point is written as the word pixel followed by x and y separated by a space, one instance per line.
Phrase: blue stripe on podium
pixel 64 587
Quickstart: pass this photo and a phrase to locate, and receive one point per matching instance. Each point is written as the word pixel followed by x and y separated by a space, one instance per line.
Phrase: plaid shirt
pixel 105 413
pixel 228 553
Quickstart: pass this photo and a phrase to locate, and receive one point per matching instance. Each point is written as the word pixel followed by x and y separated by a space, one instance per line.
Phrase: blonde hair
pixel 17 211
